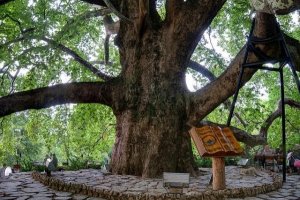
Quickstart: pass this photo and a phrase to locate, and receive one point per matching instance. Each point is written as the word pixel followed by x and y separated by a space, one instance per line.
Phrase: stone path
pixel 22 186
pixel 289 191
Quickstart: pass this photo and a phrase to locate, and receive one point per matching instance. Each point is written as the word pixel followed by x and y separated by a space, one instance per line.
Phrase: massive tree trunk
pixel 152 132
pixel 152 135
pixel 152 124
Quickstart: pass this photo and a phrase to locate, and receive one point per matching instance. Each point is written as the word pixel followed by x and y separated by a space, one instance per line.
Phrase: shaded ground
pixel 23 186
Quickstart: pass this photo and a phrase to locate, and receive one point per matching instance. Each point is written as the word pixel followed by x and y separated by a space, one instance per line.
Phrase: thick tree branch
pixel 172 9
pixel 211 77
pixel 240 135
pixel 56 95
pixel 188 25
pixel 212 95
pixel 202 15
pixel 277 113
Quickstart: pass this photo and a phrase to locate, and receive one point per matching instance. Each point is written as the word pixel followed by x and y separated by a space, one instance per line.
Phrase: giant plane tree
pixel 147 90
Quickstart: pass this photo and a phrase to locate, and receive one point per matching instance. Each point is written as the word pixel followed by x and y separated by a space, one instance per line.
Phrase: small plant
pixel 203 162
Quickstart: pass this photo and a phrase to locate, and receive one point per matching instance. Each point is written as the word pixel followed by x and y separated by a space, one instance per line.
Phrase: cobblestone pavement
pixel 22 186
pixel 289 191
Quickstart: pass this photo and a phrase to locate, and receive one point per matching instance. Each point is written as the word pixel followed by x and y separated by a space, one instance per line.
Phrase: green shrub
pixel 203 162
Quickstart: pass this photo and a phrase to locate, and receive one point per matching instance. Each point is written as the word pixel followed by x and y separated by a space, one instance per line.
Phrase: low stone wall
pixel 118 194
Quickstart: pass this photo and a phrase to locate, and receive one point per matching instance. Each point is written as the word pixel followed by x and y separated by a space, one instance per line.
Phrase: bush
pixel 39 168
pixel 207 162
pixel 231 161
pixel 203 162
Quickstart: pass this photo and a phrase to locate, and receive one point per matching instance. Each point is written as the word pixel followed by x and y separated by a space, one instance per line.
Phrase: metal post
pixel 283 126
pixel 289 58
pixel 236 95
pixel 295 75
pixel 240 75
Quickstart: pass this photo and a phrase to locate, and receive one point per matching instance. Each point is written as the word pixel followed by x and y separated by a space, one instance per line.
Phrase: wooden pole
pixel 218 167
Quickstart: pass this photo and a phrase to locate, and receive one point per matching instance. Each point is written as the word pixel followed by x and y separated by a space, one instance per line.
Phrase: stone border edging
pixel 78 188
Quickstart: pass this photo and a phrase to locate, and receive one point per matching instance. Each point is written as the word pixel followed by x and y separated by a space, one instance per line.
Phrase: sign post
pixel 216 142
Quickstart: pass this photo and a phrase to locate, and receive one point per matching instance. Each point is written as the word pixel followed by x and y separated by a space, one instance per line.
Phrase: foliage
pixel 62 130
pixel 76 133
pixel 207 162
pixel 203 162
pixel 82 133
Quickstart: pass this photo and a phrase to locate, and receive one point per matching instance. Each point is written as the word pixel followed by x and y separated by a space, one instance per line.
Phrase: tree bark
pixel 152 136
pixel 151 133
pixel 59 94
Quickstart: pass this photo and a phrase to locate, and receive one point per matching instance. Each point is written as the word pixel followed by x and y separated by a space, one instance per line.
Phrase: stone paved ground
pixel 289 191
pixel 21 186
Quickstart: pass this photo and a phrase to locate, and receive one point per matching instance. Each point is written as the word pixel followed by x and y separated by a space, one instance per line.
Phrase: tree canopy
pixel 54 53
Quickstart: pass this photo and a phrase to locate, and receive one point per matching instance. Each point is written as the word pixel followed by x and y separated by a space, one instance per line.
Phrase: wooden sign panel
pixel 213 141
